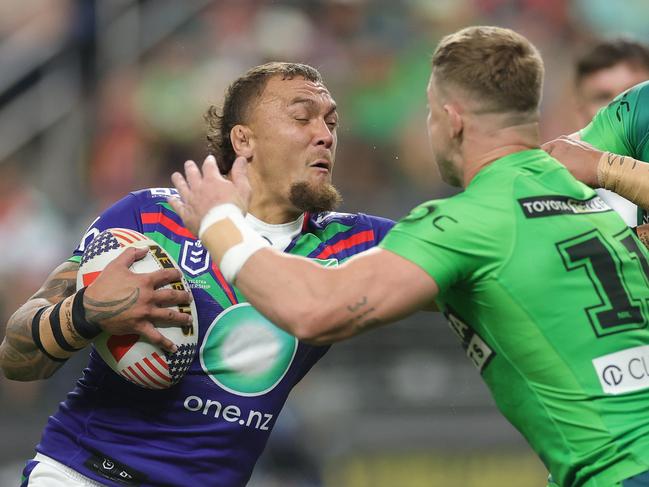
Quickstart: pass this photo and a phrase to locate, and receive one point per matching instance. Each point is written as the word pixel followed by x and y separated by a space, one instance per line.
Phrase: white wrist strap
pixel 236 256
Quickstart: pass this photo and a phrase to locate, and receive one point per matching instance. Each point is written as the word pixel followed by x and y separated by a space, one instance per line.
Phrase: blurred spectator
pixel 117 161
pixel 605 70
pixel 602 72
pixel 32 241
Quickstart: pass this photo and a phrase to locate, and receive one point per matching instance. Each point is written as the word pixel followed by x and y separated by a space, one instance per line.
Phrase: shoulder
pixel 326 218
pixel 471 212
pixel 151 196
pixel 637 92
pixel 357 221
pixel 137 200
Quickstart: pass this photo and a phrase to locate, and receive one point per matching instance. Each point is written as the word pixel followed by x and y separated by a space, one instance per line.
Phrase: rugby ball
pixel 132 356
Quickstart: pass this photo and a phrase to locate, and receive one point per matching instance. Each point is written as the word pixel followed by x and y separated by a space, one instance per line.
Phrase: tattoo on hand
pixel 97 311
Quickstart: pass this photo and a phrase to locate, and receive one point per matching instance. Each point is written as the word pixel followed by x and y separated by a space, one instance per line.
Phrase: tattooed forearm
pixel 364 319
pixel 20 359
pixel 355 307
pixel 97 311
pixel 61 284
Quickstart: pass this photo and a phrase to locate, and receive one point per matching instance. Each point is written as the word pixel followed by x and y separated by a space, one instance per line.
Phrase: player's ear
pixel 455 121
pixel 242 141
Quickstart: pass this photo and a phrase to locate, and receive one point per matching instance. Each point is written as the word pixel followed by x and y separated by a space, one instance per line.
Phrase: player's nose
pixel 324 135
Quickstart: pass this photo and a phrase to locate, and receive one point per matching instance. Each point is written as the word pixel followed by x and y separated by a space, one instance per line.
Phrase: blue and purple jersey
pixel 211 427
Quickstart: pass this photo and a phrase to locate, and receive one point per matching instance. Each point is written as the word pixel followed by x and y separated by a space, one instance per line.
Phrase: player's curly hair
pixel 240 97
pixel 497 65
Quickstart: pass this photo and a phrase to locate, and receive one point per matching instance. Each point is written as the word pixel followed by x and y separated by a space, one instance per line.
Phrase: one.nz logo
pixel 194 259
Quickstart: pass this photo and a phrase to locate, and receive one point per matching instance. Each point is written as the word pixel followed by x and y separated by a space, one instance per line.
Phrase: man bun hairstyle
pixel 240 98
pixel 498 67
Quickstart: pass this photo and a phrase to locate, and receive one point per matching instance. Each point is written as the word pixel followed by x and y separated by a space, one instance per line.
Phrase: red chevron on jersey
pixel 168 223
pixel 359 238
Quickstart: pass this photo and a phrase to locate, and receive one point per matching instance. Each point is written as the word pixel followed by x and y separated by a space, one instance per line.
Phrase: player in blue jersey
pixel 212 426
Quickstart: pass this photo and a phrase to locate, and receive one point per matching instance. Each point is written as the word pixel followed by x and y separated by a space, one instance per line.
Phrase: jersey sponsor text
pixel 230 413
pixel 539 206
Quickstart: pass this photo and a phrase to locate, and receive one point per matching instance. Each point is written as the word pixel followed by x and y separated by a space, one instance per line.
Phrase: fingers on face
pixel 192 174
pixel 239 168
pixel 210 167
pixel 176 204
pixel 180 184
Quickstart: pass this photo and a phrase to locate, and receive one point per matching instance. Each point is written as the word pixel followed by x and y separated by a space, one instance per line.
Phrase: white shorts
pixel 50 473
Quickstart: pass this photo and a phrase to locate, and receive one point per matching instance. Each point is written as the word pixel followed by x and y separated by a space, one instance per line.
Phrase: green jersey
pixel 548 291
pixel 622 127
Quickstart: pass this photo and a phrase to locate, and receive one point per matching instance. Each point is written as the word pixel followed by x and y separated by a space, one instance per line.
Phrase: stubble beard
pixel 448 169
pixel 449 173
pixel 314 198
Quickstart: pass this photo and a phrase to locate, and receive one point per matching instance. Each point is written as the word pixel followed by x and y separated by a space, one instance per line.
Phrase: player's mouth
pixel 322 165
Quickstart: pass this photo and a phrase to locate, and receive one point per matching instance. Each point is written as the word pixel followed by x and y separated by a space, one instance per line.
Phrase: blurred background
pixel 99 98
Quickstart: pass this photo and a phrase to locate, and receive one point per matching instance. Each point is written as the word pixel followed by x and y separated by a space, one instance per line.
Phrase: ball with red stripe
pixel 131 356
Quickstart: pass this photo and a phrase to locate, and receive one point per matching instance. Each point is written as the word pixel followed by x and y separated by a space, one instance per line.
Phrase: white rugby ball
pixel 131 356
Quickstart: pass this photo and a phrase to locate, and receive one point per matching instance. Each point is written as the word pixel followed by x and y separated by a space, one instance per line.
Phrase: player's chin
pixel 320 176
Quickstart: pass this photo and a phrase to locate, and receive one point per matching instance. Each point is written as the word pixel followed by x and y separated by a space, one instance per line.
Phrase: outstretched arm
pixel 57 321
pixel 316 304
pixel 327 304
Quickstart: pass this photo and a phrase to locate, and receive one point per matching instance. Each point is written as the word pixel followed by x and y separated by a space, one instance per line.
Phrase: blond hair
pixel 497 67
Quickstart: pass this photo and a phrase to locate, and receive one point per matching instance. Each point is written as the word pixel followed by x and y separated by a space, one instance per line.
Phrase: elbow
pixel 20 374
pixel 9 371
pixel 21 371
pixel 12 374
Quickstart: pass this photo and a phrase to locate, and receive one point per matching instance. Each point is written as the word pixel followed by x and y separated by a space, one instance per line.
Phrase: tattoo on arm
pixel 355 307
pixel 61 284
pixel 97 311
pixel 19 356
pixel 363 318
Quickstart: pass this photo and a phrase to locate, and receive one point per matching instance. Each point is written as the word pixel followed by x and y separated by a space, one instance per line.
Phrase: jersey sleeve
pixel 622 127
pixel 448 243
pixel 123 214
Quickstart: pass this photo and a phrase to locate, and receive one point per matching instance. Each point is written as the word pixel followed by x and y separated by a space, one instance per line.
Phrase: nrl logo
pixel 194 258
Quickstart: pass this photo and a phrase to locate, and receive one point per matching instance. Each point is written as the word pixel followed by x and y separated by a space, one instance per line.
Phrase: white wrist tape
pixel 236 256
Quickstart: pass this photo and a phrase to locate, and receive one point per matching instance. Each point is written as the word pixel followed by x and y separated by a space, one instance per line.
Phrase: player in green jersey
pixel 546 287
pixel 605 69
pixel 621 129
